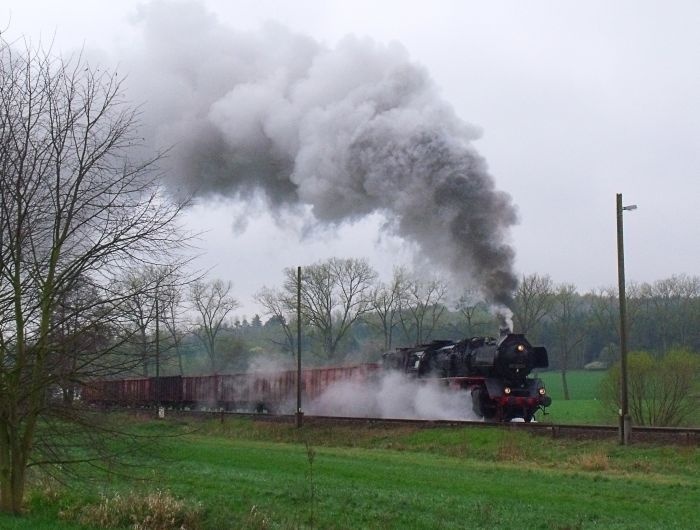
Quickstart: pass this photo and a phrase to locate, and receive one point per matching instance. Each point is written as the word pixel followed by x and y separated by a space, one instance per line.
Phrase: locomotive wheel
pixel 476 402
pixel 482 404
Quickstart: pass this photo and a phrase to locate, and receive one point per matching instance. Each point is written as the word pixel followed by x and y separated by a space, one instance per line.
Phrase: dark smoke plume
pixel 347 130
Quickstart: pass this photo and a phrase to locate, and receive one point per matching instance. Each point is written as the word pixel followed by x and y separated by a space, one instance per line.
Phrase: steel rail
pixel 684 435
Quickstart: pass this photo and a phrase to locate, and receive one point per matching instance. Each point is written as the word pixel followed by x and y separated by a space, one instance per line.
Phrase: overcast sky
pixel 575 102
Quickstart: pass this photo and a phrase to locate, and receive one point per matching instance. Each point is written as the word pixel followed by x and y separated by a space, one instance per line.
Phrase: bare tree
pixel 73 208
pixel 281 307
pixel 604 312
pixel 421 308
pixel 386 303
pixel 78 334
pixel 533 302
pixel 334 294
pixel 568 321
pixel 155 297
pixel 173 316
pixel 668 305
pixel 139 312
pixel 212 302
pixel 471 307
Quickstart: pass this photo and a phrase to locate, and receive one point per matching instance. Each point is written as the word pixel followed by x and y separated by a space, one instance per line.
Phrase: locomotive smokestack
pixel 347 131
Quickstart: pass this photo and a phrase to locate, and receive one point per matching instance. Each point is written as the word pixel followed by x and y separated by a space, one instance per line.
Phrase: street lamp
pixel 624 404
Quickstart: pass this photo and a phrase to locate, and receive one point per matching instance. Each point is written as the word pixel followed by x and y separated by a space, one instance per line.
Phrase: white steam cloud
pixel 270 363
pixel 394 396
pixel 346 131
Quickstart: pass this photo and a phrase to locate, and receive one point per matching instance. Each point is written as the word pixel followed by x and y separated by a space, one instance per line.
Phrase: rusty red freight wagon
pixel 252 391
pixel 134 392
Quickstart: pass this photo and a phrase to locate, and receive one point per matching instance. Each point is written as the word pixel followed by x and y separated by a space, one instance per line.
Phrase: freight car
pixel 494 371
pixel 254 391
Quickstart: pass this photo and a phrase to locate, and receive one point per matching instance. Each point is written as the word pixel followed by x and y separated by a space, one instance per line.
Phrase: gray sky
pixel 575 101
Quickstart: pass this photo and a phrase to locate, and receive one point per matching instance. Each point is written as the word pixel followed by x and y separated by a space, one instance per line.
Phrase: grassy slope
pixel 372 477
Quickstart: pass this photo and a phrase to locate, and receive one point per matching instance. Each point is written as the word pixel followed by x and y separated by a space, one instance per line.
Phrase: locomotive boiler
pixel 494 371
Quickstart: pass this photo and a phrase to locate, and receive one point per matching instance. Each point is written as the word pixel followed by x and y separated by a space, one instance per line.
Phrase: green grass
pixel 583 406
pixel 46 521
pixel 578 411
pixel 583 384
pixel 403 477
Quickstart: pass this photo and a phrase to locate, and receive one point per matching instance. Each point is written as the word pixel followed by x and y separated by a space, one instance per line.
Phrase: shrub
pixel 597 461
pixel 661 391
pixel 154 511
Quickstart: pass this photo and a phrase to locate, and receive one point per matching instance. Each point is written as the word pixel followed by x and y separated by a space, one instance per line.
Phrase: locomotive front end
pixel 514 393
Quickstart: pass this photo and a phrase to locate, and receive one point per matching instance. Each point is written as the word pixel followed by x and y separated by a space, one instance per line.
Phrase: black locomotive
pixel 495 371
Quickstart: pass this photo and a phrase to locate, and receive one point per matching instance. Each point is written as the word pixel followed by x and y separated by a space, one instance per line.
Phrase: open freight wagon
pixel 254 391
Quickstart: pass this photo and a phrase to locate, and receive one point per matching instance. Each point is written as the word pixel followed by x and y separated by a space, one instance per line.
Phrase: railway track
pixel 666 435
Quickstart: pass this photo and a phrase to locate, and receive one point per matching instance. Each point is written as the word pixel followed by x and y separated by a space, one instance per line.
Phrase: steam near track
pixel 344 130
pixel 393 396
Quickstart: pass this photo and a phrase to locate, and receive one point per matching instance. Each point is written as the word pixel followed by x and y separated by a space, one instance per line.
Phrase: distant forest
pixel 579 329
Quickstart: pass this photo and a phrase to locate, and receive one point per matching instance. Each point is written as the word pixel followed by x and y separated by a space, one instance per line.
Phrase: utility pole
pixel 158 404
pixel 299 414
pixel 624 403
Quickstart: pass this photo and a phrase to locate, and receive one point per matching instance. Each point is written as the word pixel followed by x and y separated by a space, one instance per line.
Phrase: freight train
pixel 494 371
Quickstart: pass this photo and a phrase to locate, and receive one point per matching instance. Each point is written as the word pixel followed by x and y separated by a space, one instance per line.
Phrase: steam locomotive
pixel 494 371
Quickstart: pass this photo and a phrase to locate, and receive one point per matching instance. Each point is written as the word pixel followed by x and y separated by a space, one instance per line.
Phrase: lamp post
pixel 624 404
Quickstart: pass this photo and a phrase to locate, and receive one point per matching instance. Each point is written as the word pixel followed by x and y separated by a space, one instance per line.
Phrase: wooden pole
pixel 299 414
pixel 624 404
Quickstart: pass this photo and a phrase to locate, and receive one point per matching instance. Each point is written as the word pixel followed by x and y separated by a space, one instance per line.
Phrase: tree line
pixel 348 313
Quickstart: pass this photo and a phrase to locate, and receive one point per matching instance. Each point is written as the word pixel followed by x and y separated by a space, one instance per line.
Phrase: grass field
pixel 244 474
pixel 583 384
pixel 583 405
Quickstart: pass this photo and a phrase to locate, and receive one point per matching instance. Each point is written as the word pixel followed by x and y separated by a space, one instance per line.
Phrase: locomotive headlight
pixel 520 348
pixel 506 390
pixel 542 391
